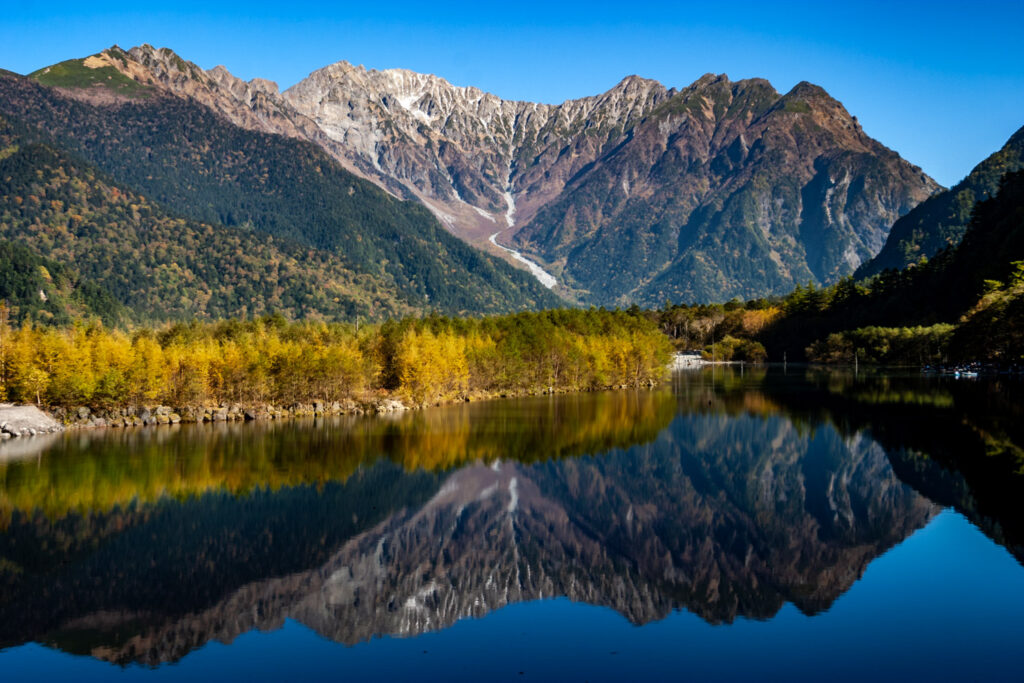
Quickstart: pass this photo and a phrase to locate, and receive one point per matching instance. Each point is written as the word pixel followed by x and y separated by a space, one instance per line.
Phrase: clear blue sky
pixel 941 83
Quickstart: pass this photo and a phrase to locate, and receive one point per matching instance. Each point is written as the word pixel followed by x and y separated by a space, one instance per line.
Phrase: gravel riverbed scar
pixel 546 278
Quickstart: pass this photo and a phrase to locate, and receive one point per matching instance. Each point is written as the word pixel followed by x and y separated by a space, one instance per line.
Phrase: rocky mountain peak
pixel 163 65
pixel 243 91
pixel 256 104
pixel 721 166
pixel 805 97
pixel 265 86
pixel 634 85
pixel 709 79
pixel 474 158
pixel 809 90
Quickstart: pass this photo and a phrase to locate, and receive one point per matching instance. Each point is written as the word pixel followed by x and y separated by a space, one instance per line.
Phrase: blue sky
pixel 941 83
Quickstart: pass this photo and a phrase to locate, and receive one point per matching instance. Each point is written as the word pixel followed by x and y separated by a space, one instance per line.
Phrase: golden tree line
pixel 271 360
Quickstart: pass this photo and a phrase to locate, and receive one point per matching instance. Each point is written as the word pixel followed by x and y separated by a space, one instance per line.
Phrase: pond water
pixel 734 524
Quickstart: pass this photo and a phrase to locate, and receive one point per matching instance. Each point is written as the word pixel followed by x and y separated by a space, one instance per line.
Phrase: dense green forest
pixel 940 221
pixel 184 158
pixel 47 291
pixel 964 304
pixel 726 332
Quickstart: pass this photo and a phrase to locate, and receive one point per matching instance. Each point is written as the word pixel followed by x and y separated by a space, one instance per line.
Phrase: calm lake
pixel 732 524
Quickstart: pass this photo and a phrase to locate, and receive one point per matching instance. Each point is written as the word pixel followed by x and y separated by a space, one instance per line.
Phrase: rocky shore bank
pixel 83 417
pixel 29 420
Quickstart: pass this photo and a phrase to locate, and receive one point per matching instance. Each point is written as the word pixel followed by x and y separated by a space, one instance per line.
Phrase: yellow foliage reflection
pixel 89 472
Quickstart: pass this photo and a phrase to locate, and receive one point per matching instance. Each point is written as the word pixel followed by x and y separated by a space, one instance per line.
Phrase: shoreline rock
pixel 682 361
pixel 28 420
pixel 83 417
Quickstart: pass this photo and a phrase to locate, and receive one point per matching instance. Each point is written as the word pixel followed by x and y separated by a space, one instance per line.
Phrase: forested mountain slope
pixel 164 267
pixel 193 163
pixel 940 221
pixel 39 290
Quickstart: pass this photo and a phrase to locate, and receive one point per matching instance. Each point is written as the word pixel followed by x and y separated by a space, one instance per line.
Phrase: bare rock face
pixel 483 163
pixel 638 194
pixel 254 105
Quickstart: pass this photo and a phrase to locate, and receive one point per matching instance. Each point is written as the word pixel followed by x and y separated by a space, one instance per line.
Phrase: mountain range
pixel 643 193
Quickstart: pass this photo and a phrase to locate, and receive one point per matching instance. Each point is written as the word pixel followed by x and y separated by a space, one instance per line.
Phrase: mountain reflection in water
pixel 728 494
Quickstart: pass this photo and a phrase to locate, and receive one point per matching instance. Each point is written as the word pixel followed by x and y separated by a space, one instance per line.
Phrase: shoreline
pixel 61 418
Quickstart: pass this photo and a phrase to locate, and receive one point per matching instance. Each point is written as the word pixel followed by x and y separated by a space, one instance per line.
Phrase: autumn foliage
pixel 269 360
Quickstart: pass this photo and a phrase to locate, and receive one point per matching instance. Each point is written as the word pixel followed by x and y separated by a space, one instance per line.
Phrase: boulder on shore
pixel 388 405
pixel 26 421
